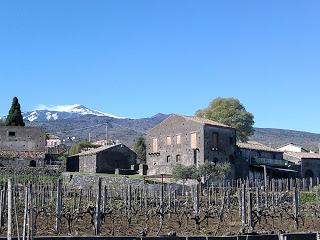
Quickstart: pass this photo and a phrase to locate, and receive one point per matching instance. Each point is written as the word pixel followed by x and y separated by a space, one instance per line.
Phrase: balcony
pixel 269 162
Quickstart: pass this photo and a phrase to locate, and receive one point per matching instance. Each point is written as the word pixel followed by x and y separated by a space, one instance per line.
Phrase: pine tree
pixel 14 117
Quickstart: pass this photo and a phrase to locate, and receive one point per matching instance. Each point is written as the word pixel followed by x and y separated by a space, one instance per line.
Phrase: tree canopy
pixel 140 148
pixel 204 171
pixel 14 117
pixel 231 112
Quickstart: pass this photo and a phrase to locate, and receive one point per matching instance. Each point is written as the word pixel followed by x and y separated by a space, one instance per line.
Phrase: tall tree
pixel 14 117
pixel 231 112
pixel 140 148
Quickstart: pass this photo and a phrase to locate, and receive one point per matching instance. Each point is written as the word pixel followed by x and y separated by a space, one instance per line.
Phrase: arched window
pixel 178 158
pixel 33 163
pixel 309 174
pixel 168 158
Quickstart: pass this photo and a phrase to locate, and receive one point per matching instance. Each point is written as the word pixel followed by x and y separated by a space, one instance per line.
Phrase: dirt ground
pixel 138 222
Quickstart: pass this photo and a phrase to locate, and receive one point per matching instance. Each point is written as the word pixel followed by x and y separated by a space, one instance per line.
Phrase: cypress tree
pixel 14 117
pixel 140 148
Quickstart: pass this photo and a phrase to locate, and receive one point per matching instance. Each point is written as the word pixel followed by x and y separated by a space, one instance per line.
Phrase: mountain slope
pixel 62 112
pixel 78 121
pixel 277 137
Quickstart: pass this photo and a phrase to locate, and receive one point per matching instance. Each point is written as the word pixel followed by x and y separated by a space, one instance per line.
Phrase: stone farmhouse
pixel 190 141
pixel 262 159
pixel 105 159
pixel 22 146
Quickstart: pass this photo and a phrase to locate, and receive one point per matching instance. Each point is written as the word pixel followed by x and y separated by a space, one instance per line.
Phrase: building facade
pixel 105 159
pixel 308 164
pixel 21 146
pixel 189 141
pixel 262 159
pixel 291 147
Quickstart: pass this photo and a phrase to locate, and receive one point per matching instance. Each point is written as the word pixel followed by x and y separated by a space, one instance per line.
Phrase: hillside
pixel 277 137
pixel 77 121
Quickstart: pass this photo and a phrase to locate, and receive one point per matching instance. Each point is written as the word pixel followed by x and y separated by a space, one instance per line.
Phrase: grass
pixel 308 198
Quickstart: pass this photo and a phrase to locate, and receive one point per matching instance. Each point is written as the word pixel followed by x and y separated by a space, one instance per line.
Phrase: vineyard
pixel 47 207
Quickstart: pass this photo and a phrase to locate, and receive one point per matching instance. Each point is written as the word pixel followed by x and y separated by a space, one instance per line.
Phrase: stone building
pixel 105 159
pixel 190 141
pixel 261 158
pixel 21 146
pixel 308 164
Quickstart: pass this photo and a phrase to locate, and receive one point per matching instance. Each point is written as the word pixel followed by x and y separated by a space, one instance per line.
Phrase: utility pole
pixel 107 133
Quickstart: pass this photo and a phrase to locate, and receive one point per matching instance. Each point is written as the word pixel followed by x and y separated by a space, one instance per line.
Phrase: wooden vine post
pixel 98 209
pixel 58 206
pixel 9 227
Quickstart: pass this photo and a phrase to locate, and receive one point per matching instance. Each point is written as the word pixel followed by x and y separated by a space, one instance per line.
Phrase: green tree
pixel 182 172
pixel 231 112
pixel 140 148
pixel 14 117
pixel 203 172
pixel 74 149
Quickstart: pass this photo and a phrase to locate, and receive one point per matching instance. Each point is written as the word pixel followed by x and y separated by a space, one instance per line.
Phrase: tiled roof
pixel 256 146
pixel 205 121
pixel 96 150
pixel 301 155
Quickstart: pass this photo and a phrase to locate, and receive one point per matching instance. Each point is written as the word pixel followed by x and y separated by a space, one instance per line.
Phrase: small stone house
pixel 22 146
pixel 105 159
pixel 308 164
pixel 189 141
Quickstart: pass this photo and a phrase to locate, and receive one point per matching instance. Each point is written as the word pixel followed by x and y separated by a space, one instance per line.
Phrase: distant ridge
pixel 67 122
pixel 52 113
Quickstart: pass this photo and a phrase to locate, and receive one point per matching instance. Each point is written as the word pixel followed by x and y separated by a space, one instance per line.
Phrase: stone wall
pixel 22 142
pixel 168 155
pixel 310 167
pixel 117 157
pixel 226 150
pixel 165 158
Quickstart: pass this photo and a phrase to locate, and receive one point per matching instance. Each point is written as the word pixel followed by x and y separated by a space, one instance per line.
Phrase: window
pixel 178 139
pixel 193 140
pixel 11 134
pixel 178 158
pixel 215 140
pixel 154 145
pixel 168 158
pixel 195 161
pixel 33 163
pixel 168 140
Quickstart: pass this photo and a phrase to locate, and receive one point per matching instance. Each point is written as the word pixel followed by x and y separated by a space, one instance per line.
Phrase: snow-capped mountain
pixel 52 113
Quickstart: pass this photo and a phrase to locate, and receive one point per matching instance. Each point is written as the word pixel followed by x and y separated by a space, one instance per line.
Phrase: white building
pixel 291 147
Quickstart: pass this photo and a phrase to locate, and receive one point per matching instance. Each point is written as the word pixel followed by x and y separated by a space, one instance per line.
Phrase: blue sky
pixel 138 58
